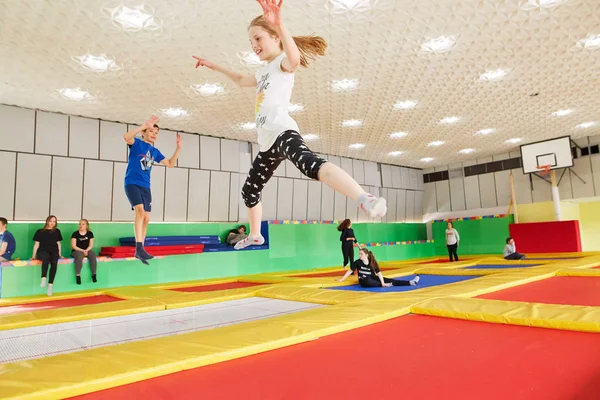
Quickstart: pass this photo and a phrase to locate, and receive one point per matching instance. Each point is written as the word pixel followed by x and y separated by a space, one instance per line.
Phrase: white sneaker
pixel 49 291
pixel 43 284
pixel 249 241
pixel 413 282
pixel 373 206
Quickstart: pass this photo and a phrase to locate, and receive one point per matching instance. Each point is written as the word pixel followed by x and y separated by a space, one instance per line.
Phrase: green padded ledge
pixel 291 248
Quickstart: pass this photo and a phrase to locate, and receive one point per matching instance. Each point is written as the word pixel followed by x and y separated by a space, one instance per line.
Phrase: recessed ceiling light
pixel 406 105
pixel 75 94
pixel 350 123
pixel 310 136
pixel 439 44
pixel 395 153
pixel 250 59
pixel 533 4
pixel 493 75
pixel 295 108
pixel 174 112
pixel 436 143
pixel 357 146
pixel 587 124
pixel 135 19
pixel 591 42
pixel 449 120
pixel 562 113
pixel 466 151
pixel 99 63
pixel 347 5
pixel 208 89
pixel 248 126
pixel 345 84
pixel 427 159
pixel 514 140
pixel 398 135
pixel 486 131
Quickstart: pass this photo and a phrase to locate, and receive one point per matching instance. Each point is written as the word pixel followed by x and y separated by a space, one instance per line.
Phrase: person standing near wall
pixel 452 241
pixel 348 240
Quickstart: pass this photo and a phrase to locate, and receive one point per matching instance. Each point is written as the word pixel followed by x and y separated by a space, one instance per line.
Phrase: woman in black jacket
pixel 348 240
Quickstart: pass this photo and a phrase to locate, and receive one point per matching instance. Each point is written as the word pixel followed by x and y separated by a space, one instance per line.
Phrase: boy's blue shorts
pixel 139 195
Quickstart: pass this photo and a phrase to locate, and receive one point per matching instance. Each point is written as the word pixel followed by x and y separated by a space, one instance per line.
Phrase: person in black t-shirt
pixel 47 250
pixel 369 274
pixel 348 240
pixel 82 242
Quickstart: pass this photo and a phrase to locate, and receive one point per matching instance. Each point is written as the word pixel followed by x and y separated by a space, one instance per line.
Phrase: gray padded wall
pixel 210 153
pixel 17 129
pixel 84 137
pixel 32 200
pixel 67 188
pixel 176 194
pixel 97 190
pixel 112 145
pixel 7 199
pixel 198 195
pixel 52 133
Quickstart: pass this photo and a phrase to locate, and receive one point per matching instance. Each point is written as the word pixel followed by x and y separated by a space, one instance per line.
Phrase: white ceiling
pixel 378 43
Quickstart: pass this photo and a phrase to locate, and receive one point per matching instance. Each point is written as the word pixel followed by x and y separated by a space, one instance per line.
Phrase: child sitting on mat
pixel 510 250
pixel 369 274
pixel 235 235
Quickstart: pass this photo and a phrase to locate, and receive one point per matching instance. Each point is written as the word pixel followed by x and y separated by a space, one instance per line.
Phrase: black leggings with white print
pixel 288 145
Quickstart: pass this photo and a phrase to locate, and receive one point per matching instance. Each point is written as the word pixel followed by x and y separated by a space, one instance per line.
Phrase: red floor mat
pixel 52 304
pixel 219 286
pixel 412 357
pixel 569 290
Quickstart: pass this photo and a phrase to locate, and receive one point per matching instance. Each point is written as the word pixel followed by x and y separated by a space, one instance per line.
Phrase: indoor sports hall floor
pixel 479 328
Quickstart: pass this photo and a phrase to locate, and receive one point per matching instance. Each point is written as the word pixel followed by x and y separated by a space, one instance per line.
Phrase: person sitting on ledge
pixel 236 235
pixel 510 250
pixel 7 242
pixel 82 241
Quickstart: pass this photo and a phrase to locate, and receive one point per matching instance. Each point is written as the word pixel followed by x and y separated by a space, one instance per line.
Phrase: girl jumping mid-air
pixel 369 274
pixel 278 135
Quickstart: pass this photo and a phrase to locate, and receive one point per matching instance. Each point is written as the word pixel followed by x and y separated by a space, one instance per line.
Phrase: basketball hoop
pixel 544 170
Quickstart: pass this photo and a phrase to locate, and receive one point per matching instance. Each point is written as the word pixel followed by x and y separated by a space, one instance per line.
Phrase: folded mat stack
pixel 162 245
pixel 172 240
pixel 129 251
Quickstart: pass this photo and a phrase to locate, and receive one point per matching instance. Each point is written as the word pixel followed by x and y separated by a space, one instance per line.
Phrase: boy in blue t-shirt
pixel 142 155
pixel 8 245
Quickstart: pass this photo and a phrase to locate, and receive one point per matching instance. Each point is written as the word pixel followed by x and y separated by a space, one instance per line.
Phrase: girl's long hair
pixel 344 225
pixel 47 224
pixel 372 260
pixel 87 224
pixel 310 47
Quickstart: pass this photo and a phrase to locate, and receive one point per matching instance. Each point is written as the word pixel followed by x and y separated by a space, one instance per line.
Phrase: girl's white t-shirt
pixel 273 94
pixel 452 236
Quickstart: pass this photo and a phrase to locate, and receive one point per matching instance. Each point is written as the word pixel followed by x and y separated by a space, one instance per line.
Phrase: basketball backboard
pixel 554 152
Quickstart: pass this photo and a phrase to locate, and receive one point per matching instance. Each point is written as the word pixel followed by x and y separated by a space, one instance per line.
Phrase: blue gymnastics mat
pixel 211 248
pixel 172 240
pixel 426 281
pixel 553 258
pixel 501 266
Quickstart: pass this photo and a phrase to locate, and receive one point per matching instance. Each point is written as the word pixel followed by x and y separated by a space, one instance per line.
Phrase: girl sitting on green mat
pixel 369 274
